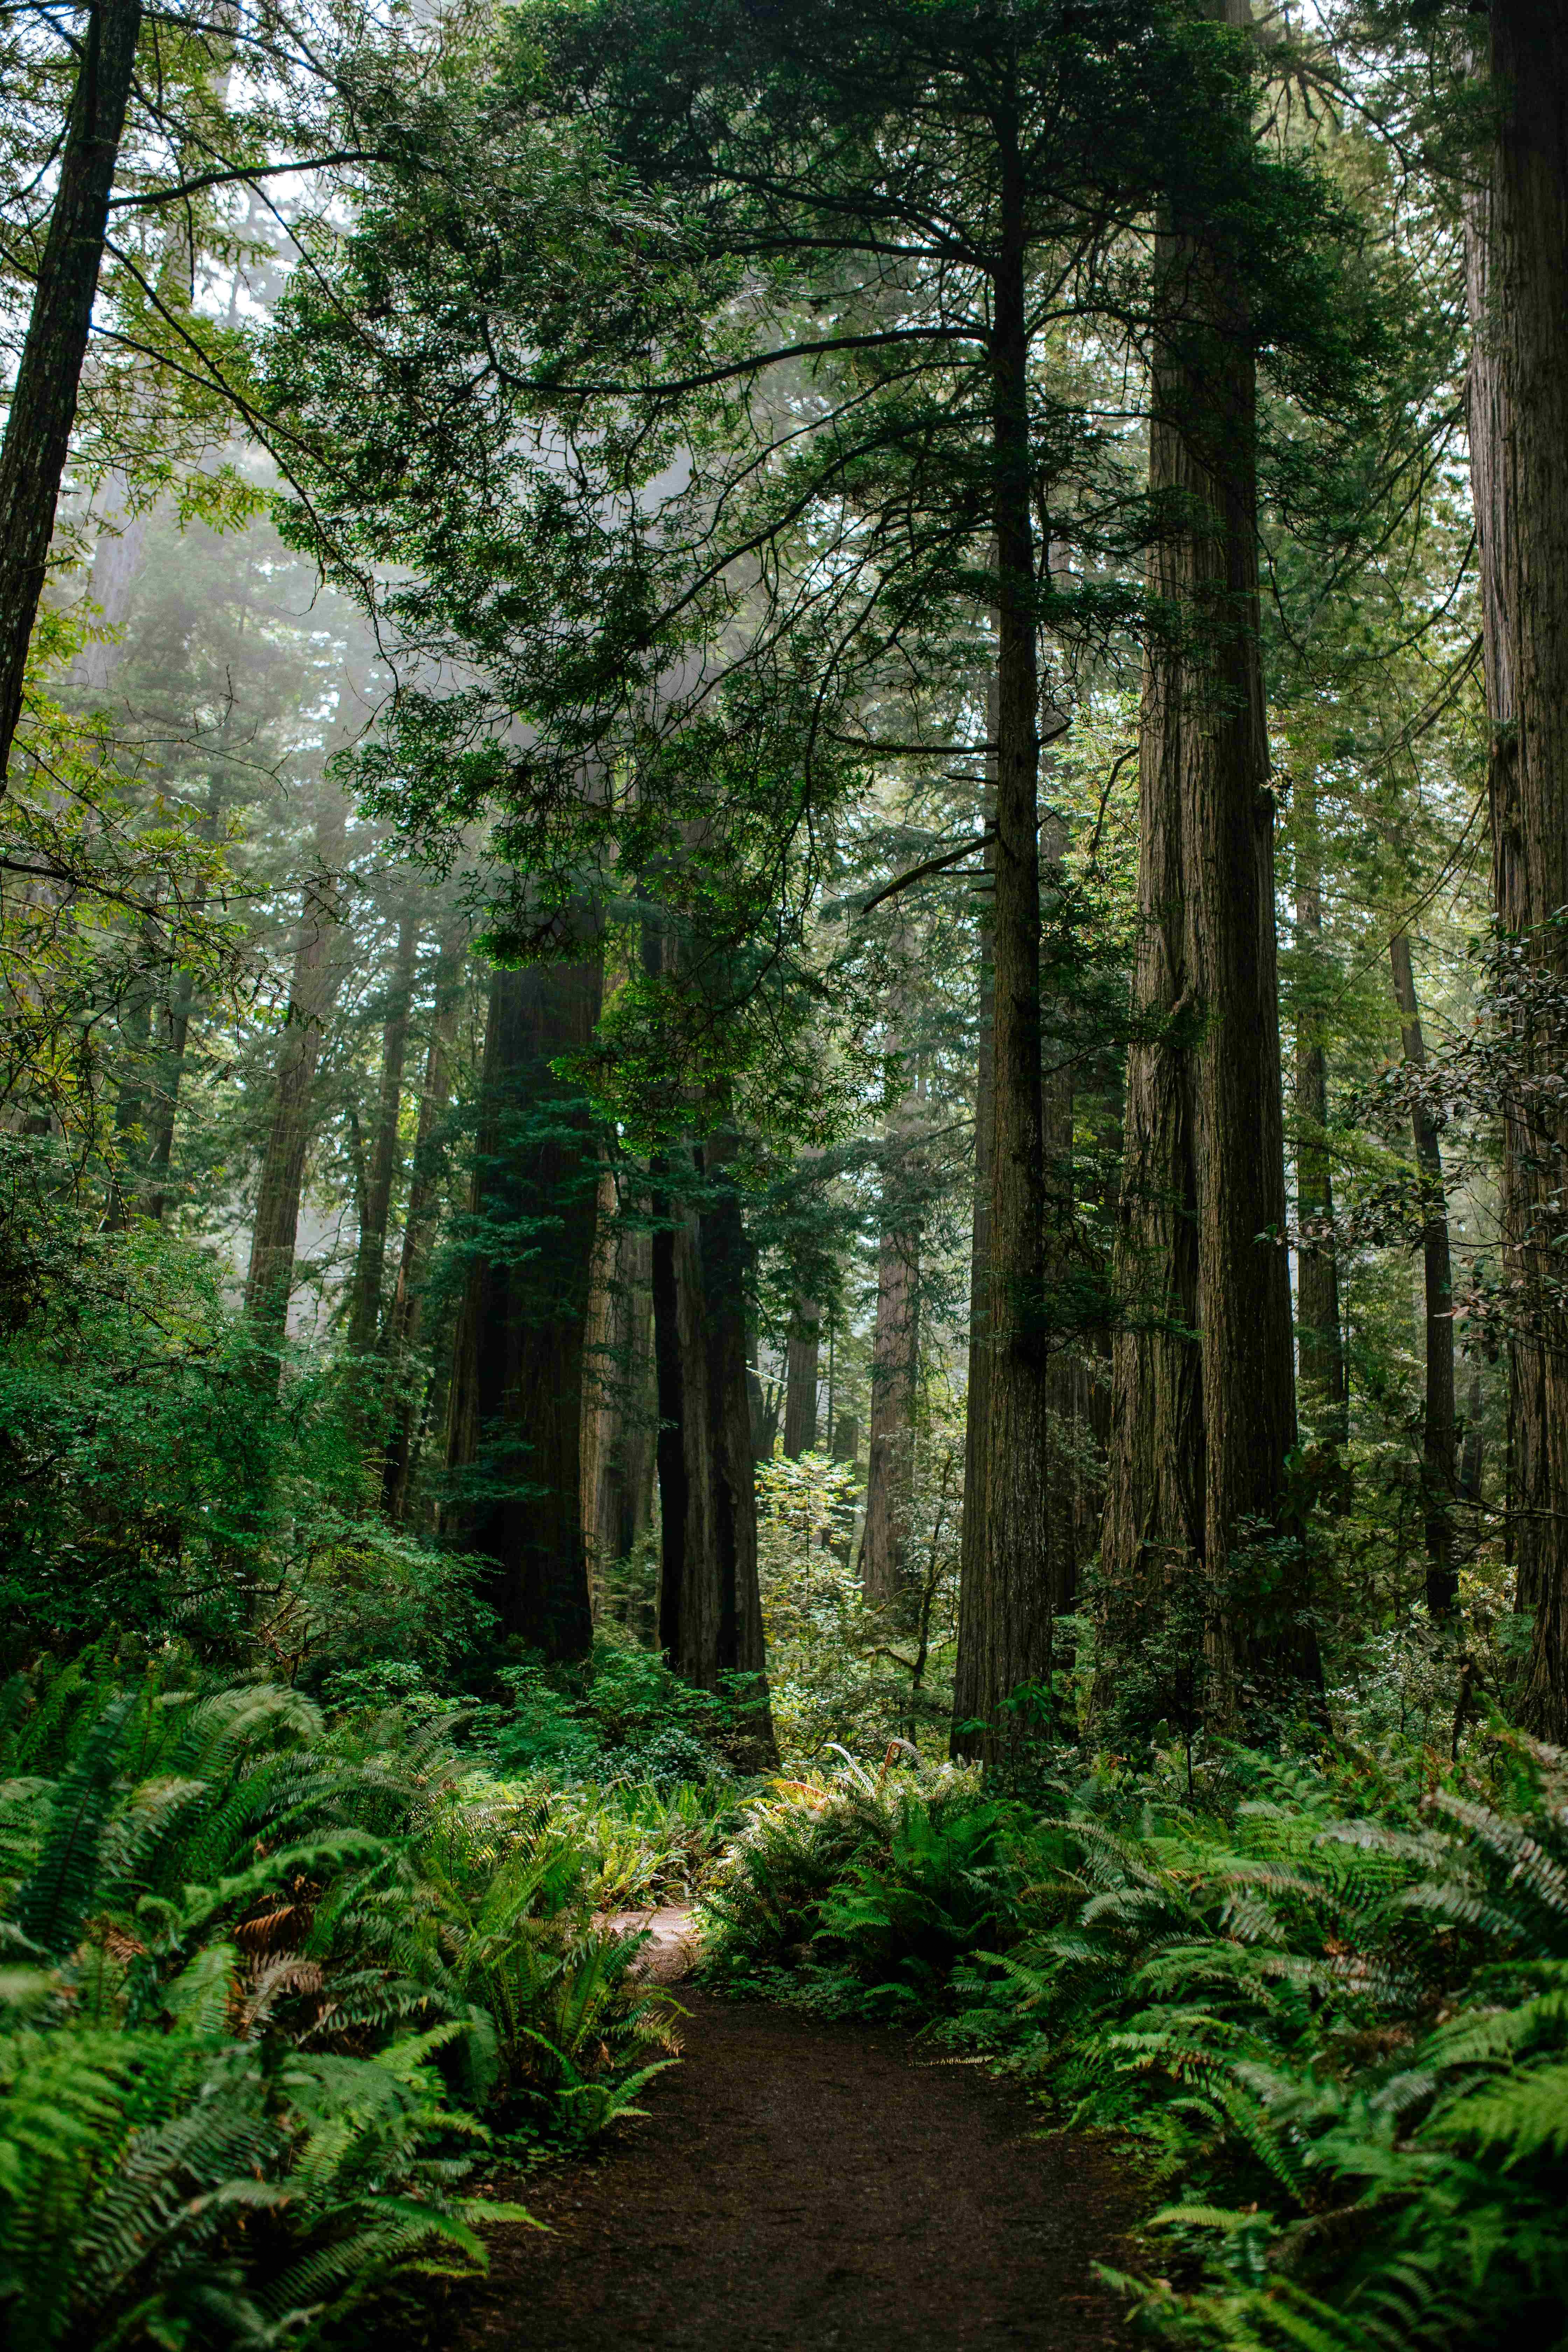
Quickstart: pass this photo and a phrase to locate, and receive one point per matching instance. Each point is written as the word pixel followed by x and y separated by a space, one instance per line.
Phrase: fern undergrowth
pixel 1330 2015
pixel 273 1990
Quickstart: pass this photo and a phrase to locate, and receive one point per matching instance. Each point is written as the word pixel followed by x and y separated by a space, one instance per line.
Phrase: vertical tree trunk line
pixel 1517 273
pixel 370 1256
pixel 515 1414
pixel 895 1345
pixel 971 1569
pixel 803 1356
pixel 1438 1465
pixel 1008 1638
pixel 1320 1342
pixel 49 377
pixel 405 1314
pixel 1202 1428
pixel 312 991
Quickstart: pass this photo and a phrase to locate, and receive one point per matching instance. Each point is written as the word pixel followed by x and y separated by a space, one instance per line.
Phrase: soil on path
pixel 802 2186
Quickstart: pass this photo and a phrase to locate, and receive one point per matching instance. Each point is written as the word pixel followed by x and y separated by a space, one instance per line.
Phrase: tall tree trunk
pixel 709 1606
pixel 275 1232
pixel 1320 1334
pixel 895 1367
pixel 515 1414
pixel 971 1568
pixel 1517 268
pixel 1202 1430
pixel 802 1355
pixel 419 1221
pixel 1437 1441
pixel 1011 1608
pixel 48 378
pixel 619 1505
pixel 370 1257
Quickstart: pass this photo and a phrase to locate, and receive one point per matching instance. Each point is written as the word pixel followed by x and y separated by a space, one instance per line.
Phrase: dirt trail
pixel 801 2186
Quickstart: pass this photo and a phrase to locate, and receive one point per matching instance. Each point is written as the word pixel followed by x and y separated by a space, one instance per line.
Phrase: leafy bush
pixel 268 1991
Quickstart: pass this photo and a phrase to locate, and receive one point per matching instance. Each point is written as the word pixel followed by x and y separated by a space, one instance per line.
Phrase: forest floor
pixel 801 2184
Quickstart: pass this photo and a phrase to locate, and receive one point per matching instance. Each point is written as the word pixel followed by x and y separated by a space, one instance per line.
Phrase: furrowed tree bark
pixel 370 1257
pixel 895 1357
pixel 971 1569
pixel 1011 1606
pixel 803 1354
pixel 620 1503
pixel 406 1312
pixel 314 986
pixel 1437 1433
pixel 1319 1335
pixel 48 378
pixel 1517 270
pixel 514 1433
pixel 1201 1431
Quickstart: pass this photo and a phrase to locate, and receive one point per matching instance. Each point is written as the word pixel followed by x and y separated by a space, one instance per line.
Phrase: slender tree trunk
pixel 1201 1433
pixel 619 1410
pixel 1320 1337
pixel 1517 268
pixel 419 1221
pixel 972 1572
pixel 370 1258
pixel 1437 1441
pixel 895 1365
pixel 515 1414
pixel 1472 1460
pixel 315 983
pixel 803 1354
pixel 48 378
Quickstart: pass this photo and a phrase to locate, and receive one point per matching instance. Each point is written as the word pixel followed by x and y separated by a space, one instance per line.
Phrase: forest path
pixel 802 2185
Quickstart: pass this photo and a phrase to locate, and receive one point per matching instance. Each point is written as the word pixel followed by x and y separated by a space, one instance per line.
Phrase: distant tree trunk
pixel 972 1572
pixel 710 1607
pixel 402 1337
pixel 763 1404
pixel 370 1258
pixel 1437 1443
pixel 1321 1341
pixel 514 1429
pixel 802 1366
pixel 275 1232
pixel 895 1345
pixel 48 377
pixel 1201 1433
pixel 1517 268
pixel 1472 1461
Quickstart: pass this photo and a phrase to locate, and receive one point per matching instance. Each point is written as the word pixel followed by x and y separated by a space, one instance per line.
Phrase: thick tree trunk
pixel 802 1355
pixel 971 1569
pixel 1517 268
pixel 1320 1339
pixel 419 1224
pixel 514 1426
pixel 270 1278
pixel 1437 1441
pixel 1201 1430
pixel 710 1607
pixel 48 378
pixel 1009 1633
pixel 370 1257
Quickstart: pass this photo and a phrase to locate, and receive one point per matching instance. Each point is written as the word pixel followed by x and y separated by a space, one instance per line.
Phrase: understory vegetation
pixel 1325 2010
pixel 279 1983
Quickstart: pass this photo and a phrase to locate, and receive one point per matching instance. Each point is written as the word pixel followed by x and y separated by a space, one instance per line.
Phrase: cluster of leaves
pixel 1332 2012
pixel 270 1991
